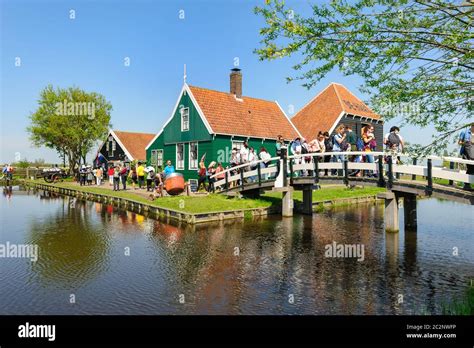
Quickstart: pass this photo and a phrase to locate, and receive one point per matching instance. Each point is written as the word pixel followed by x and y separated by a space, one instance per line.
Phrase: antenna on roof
pixel 184 74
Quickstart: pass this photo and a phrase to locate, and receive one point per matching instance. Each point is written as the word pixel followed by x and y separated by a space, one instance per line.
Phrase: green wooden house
pixel 210 122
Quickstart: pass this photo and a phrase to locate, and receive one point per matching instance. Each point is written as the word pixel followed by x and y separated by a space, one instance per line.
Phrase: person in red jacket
pixel 110 173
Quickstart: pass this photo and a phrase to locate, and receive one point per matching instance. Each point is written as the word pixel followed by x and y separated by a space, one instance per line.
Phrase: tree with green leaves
pixel 415 57
pixel 70 121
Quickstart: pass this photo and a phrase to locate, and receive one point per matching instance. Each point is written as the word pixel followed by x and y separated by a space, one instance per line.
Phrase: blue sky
pixel 89 52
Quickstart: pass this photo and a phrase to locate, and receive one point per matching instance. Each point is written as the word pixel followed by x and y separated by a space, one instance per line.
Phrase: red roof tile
pixel 135 143
pixel 248 116
pixel 321 113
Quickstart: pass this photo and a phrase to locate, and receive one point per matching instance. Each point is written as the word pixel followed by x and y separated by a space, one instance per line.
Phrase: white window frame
pixel 183 128
pixel 190 165
pixel 155 161
pixel 178 167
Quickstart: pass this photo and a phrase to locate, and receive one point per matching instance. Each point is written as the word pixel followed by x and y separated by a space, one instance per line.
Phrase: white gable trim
pixel 284 113
pixel 130 157
pixel 201 114
pixel 167 121
pixel 337 121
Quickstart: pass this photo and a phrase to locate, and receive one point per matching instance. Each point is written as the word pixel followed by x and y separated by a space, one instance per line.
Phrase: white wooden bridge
pixel 415 177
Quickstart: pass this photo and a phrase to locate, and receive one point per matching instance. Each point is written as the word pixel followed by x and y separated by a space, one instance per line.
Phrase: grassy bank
pixel 189 204
pixel 333 193
pixel 464 306
pixel 217 202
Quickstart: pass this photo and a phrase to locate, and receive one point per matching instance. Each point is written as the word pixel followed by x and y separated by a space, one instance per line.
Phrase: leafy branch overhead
pixel 416 52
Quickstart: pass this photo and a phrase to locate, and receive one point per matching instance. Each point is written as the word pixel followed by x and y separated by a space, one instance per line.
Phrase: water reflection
pixel 73 246
pixel 246 267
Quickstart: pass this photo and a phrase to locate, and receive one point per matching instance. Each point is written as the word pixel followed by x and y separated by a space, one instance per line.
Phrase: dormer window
pixel 184 119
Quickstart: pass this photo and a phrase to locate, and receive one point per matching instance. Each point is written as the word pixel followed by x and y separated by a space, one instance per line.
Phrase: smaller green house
pixel 210 122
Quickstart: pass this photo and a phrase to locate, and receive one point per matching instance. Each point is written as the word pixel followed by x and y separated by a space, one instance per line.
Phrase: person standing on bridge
pixel 328 145
pixel 467 150
pixel 339 145
pixel 394 144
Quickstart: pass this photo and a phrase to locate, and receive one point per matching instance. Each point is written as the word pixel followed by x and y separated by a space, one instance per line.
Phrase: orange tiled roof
pixel 321 113
pixel 135 143
pixel 248 116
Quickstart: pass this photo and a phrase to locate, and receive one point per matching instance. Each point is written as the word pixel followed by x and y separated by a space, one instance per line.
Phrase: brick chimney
pixel 236 82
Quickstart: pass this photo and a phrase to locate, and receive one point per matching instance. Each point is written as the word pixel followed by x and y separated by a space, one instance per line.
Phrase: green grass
pixel 217 202
pixel 333 193
pixel 188 204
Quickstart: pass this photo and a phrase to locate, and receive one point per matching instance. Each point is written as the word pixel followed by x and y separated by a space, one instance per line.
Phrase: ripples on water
pixel 82 252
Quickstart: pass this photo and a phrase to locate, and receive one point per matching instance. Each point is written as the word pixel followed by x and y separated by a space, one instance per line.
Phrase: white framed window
pixel 184 119
pixel 237 144
pixel 157 158
pixel 193 156
pixel 180 156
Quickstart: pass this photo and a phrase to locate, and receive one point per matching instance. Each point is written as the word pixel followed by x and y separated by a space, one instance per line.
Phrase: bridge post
pixel 381 181
pixel 287 201
pixel 259 171
pixel 346 172
pixel 390 175
pixel 409 210
pixel 391 211
pixel 307 200
pixel 316 170
pixel 451 166
pixel 227 181
pixel 242 183
pixel 291 172
pixel 413 177
pixel 284 158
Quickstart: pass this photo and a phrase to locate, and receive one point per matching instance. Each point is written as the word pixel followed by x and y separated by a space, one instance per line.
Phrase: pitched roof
pixel 323 111
pixel 134 143
pixel 246 116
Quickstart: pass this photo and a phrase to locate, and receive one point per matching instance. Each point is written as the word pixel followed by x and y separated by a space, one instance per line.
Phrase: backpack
pixel 393 140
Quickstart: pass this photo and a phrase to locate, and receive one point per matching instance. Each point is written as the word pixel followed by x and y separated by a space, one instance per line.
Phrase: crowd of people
pixel 119 175
pixel 346 140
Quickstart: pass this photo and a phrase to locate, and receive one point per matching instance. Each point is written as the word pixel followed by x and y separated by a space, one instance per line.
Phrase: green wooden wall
pixel 216 147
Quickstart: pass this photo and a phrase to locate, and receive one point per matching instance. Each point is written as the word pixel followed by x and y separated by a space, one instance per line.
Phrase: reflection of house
pixel 125 146
pixel 333 106
pixel 209 122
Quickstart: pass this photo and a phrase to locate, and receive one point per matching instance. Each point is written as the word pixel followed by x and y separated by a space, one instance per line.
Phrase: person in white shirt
pixel 394 143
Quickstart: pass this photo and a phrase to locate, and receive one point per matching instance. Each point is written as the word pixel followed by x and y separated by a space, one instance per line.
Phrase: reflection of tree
pixel 72 249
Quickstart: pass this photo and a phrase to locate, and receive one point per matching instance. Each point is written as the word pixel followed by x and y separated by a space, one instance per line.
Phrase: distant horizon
pixel 91 50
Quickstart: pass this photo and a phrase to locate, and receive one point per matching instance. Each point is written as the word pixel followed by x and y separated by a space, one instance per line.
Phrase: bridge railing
pixel 311 164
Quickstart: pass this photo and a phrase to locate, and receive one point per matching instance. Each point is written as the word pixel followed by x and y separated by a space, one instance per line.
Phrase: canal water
pixel 96 259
